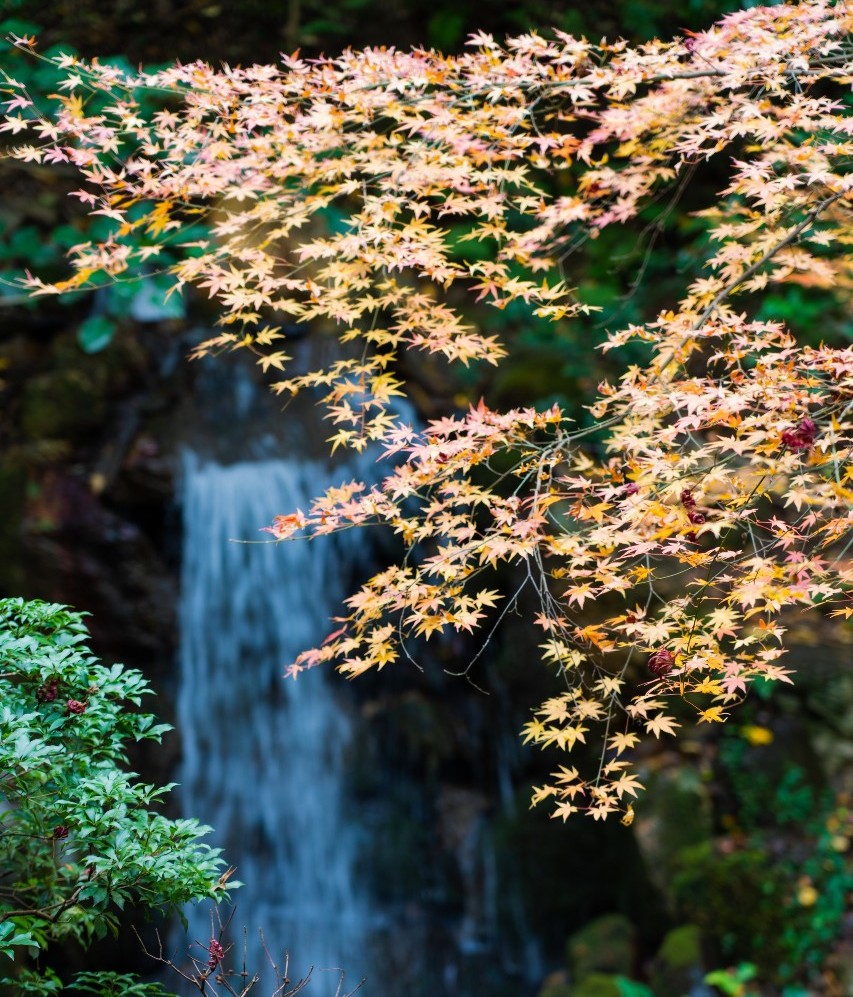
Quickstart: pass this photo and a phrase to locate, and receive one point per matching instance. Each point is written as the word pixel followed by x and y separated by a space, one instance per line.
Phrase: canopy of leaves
pixel 710 498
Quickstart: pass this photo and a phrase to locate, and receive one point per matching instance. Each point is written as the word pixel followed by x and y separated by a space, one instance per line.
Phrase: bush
pixel 80 837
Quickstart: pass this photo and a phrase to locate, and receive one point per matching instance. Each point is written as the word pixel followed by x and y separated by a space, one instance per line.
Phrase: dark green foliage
pixel 773 890
pixel 80 837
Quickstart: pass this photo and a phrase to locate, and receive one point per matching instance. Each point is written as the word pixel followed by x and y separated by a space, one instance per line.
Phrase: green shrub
pixel 80 837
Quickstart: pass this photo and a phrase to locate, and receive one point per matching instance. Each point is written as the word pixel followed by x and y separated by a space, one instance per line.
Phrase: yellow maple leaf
pixel 623 742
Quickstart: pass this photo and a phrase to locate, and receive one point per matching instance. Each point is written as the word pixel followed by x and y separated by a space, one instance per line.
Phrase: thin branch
pixel 768 255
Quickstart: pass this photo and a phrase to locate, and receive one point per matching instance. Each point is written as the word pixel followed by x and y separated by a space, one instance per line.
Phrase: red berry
pixel 661 662
pixel 696 517
pixel 687 498
pixel 75 706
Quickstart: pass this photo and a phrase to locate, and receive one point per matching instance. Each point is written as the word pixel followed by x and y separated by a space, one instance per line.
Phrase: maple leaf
pixel 622 742
pixel 567 737
pixel 846 612
pixel 708 686
pixel 534 731
pixel 626 783
pixel 661 723
pixel 564 809
pixel 276 360
pixel 602 810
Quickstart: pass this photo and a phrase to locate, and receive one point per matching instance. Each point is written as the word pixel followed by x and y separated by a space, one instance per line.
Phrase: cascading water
pixel 264 757
pixel 266 760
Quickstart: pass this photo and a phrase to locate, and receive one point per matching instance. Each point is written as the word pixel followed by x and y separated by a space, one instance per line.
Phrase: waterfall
pixel 264 757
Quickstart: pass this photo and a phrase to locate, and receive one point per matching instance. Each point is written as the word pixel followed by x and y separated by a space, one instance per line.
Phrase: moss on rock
pixel 678 965
pixel 606 945
pixel 598 985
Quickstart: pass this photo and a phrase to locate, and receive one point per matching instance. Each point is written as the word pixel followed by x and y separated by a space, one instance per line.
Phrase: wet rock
pixel 81 553
pixel 12 504
pixel 147 474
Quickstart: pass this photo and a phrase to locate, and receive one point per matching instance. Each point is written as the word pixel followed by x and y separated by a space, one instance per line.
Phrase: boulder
pixel 605 945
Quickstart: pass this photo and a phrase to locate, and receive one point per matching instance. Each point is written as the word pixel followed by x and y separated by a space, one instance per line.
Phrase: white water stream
pixel 264 757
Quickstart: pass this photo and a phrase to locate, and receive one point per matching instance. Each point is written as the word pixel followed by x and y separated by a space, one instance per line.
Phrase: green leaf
pixel 95 333
pixel 630 988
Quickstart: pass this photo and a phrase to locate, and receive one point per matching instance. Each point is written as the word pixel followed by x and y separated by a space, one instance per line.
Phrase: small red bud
pixel 801 438
pixel 661 662
pixel 807 429
pixel 216 952
pixel 48 691
pixel 687 499
pixel 60 831
pixel 696 517
pixel 75 706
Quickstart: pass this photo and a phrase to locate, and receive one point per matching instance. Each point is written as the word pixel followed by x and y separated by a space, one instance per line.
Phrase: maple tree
pixel 669 541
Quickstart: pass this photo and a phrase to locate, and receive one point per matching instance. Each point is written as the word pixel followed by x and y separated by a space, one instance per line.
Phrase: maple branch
pixel 768 255
pixel 687 74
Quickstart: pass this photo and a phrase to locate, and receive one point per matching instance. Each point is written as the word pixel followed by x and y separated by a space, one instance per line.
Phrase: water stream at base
pixel 263 758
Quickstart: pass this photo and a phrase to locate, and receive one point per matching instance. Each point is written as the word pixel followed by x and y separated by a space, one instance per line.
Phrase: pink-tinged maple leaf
pixel 86 196
pixel 733 680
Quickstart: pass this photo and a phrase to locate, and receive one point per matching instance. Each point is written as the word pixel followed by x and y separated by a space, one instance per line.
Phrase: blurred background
pixel 383 826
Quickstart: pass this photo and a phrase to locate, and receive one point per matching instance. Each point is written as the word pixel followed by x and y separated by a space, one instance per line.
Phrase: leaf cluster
pixel 709 496
pixel 80 836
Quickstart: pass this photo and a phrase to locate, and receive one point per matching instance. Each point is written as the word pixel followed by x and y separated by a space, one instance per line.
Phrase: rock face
pixel 84 506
